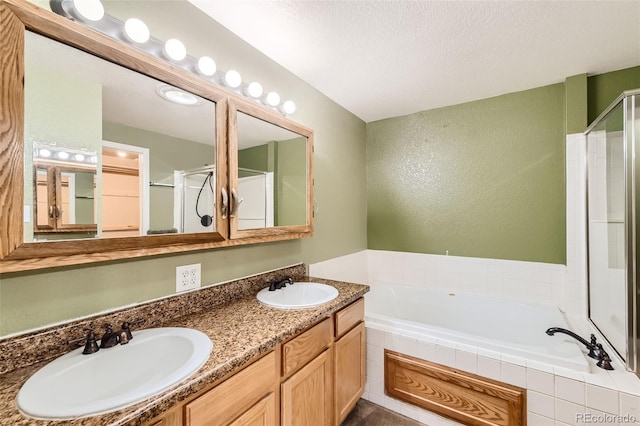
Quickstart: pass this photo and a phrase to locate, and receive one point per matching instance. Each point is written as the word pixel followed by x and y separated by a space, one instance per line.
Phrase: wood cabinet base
pixel 465 397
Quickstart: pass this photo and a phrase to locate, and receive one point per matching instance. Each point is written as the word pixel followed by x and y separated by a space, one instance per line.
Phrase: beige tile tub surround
pixel 240 327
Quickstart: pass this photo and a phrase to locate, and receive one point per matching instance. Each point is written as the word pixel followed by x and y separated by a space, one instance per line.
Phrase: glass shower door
pixel 607 189
pixel 613 146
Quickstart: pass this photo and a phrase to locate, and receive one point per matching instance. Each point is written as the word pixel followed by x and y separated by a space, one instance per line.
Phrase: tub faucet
pixel 591 346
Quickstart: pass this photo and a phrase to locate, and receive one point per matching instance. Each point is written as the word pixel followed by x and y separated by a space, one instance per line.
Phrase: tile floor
pixel 367 413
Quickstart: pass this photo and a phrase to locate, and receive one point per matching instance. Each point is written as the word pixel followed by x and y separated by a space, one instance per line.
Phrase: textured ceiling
pixel 381 59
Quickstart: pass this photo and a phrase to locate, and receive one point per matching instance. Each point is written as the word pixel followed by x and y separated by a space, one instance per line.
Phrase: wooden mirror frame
pixel 18 16
pixel 269 116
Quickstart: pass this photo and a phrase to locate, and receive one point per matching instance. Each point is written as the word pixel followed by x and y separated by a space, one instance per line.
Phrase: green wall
pixel 480 179
pixel 37 298
pixel 287 160
pixel 605 88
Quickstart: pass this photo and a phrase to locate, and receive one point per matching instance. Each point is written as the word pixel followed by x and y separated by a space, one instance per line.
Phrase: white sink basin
pixel 298 295
pixel 77 385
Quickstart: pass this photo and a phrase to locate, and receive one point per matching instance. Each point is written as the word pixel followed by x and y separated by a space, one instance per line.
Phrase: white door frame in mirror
pixel 143 179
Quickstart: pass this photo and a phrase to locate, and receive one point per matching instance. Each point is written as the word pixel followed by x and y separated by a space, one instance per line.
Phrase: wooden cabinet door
pixel 234 396
pixel 261 414
pixel 306 397
pixel 350 360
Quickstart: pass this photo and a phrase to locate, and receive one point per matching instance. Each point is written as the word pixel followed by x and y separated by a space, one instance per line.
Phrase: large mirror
pixel 272 175
pixel 271 172
pixel 109 152
pixel 115 153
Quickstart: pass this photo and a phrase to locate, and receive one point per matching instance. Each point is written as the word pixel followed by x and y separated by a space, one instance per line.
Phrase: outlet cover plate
pixel 187 277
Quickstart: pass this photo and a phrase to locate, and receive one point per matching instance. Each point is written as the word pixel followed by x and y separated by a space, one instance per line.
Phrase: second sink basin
pixel 77 385
pixel 298 296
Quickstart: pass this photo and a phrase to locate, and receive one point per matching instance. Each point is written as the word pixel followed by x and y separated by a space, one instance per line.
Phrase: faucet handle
pixel 604 361
pixel 91 345
pixel 126 329
pixel 89 342
pixel 594 348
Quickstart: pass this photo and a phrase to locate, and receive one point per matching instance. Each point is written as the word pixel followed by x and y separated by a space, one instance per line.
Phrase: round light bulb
pixel 91 10
pixel 254 89
pixel 289 107
pixel 272 99
pixel 44 153
pixel 206 66
pixel 94 159
pixel 79 157
pixel 63 155
pixel 232 78
pixel 175 50
pixel 136 30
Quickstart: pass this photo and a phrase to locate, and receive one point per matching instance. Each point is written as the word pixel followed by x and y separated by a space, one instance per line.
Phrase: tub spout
pixel 591 346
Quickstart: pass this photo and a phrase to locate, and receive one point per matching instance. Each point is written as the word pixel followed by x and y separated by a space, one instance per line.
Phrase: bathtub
pixel 499 325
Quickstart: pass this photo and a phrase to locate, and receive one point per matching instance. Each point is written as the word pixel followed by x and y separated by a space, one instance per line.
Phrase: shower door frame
pixel 632 236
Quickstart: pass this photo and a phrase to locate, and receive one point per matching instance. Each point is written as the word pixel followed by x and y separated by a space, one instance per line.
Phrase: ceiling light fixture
pixel 63 155
pixel 176 95
pixel 44 153
pixel 136 31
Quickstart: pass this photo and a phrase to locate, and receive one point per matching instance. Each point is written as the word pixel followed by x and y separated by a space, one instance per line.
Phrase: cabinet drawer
pixel 348 317
pixel 305 347
pixel 234 396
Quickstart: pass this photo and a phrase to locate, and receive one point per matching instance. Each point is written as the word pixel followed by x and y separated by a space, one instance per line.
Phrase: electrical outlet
pixel 187 277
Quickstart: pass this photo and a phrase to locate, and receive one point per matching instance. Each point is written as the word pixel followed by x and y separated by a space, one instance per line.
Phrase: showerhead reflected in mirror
pixel 76 103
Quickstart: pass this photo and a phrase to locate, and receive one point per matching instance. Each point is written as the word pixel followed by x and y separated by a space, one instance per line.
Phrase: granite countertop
pixel 241 330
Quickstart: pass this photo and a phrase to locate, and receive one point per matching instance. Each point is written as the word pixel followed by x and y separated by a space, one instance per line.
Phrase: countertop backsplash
pixel 51 342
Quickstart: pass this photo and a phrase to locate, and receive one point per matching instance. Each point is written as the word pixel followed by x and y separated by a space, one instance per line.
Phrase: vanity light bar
pixel 54 153
pixel 136 33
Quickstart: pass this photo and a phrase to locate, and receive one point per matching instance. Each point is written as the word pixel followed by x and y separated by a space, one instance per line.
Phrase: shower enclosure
pixel 613 170
pixel 194 199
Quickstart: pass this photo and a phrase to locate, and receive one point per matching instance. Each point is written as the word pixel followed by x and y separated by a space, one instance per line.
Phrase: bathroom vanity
pixel 316 376
pixel 270 366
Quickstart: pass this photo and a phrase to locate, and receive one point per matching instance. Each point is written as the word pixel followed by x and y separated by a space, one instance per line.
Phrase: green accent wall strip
pixel 605 88
pixel 481 179
pixel 576 103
